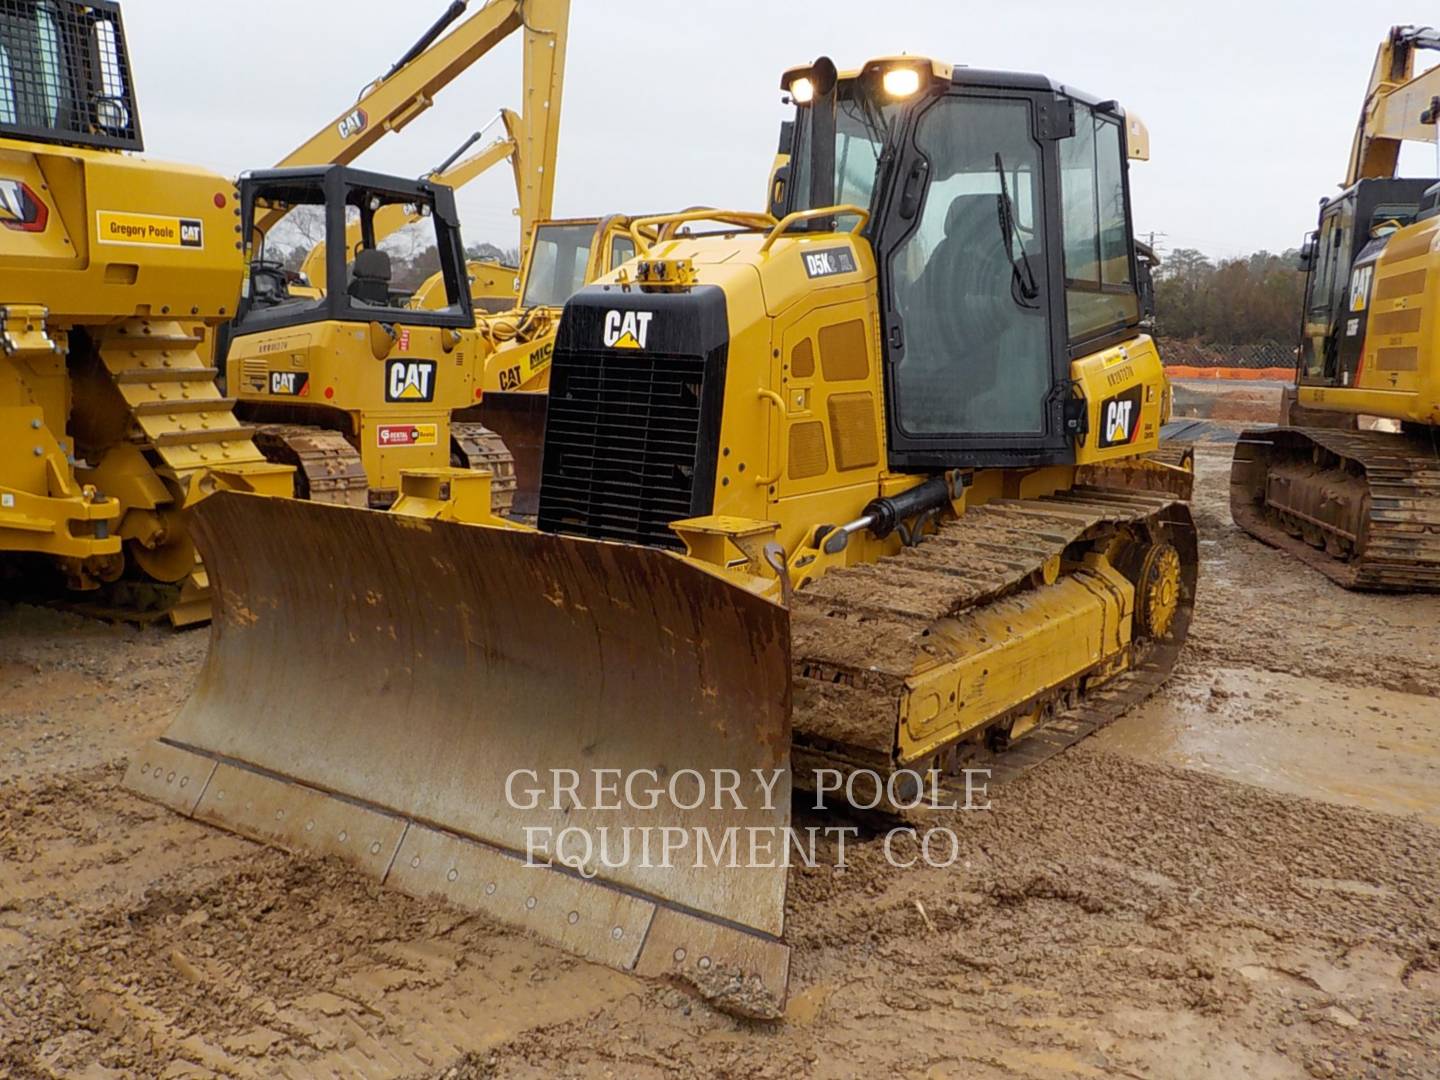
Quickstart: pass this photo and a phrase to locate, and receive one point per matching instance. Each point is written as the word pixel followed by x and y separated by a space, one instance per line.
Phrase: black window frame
pixel 336 305
pixel 888 231
pixel 1112 333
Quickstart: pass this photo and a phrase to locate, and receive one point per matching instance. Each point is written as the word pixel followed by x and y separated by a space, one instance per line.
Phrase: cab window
pixel 969 280
pixel 1100 292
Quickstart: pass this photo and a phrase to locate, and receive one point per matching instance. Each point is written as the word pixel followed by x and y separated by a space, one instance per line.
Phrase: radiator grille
pixel 625 445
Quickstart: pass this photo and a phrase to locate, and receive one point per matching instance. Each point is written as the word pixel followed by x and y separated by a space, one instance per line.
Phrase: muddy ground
pixel 1239 879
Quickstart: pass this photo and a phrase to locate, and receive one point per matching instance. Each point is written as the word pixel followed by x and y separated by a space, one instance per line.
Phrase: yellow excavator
pixel 112 268
pixel 862 492
pixel 353 384
pixel 1362 505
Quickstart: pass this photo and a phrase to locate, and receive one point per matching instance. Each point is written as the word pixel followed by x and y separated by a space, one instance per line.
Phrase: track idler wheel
pixel 1157 591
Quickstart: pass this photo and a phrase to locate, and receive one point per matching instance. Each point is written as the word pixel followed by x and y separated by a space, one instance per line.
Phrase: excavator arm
pixel 392 102
pixel 1399 105
pixel 453 173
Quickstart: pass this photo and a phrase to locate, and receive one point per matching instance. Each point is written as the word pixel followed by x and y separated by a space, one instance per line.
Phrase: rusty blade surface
pixel 414 667
pixel 519 419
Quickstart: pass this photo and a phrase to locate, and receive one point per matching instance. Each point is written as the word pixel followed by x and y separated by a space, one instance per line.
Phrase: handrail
pixel 769 396
pixel 847 210
pixel 746 219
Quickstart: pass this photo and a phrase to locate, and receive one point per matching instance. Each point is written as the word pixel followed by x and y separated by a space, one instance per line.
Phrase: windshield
pixel 558 264
pixel 64 74
pixel 861 131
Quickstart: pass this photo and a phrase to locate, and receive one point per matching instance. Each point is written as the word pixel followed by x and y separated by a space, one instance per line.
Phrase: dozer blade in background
pixel 519 419
pixel 374 680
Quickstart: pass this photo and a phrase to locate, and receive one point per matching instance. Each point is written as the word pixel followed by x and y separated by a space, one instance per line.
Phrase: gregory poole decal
pixel 627 329
pixel 1120 418
pixel 409 380
pixel 148 230
pixel 387 435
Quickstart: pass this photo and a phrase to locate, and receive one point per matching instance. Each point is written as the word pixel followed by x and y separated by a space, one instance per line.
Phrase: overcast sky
pixel 673 103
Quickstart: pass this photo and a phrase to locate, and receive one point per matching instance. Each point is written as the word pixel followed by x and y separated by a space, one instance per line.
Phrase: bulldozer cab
pixel 1000 219
pixel 379 280
pixel 65 75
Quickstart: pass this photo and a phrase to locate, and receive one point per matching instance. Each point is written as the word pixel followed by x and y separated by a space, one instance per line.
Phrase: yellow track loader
pixel 112 268
pixel 862 493
pixel 1363 505
pixel 354 383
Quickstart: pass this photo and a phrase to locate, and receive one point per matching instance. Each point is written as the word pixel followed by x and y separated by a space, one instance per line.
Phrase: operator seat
pixel 370 277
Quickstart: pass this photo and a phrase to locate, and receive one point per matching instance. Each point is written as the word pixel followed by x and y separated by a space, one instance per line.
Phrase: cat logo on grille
pixel 627 329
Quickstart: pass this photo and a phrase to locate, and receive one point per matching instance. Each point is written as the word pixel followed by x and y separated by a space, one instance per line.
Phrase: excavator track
pixel 474 446
pixel 861 634
pixel 1362 507
pixel 327 468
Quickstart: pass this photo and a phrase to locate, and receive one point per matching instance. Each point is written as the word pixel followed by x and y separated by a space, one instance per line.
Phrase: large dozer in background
pixel 865 488
pixel 1363 506
pixel 111 269
pixel 355 383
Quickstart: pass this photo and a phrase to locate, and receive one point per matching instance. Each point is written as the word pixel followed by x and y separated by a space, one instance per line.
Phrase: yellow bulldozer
pixel 350 374
pixel 1362 505
pixel 112 270
pixel 862 492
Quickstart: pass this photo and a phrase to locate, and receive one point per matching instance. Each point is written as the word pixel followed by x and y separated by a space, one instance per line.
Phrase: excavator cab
pixel 1355 228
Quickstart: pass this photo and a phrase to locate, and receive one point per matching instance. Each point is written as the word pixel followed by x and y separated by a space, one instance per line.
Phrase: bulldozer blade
pixel 519 419
pixel 398 693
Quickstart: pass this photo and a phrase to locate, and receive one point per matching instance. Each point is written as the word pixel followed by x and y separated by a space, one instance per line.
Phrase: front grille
pixel 626 446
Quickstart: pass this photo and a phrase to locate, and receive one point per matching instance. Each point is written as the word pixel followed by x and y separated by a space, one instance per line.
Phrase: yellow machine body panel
pixel 123 237
pixel 391 395
pixel 113 269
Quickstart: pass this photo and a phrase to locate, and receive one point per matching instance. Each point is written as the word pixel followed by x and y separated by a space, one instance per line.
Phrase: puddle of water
pixel 1376 749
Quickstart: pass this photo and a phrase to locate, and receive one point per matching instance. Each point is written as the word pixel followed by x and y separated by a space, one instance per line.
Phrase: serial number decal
pixel 830 262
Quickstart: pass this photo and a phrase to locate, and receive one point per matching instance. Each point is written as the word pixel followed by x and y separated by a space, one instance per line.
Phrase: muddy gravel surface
pixel 1236 879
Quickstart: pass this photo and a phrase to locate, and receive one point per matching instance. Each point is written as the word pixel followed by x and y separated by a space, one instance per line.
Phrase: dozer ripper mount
pixel 862 489
pixel 1358 503
pixel 112 268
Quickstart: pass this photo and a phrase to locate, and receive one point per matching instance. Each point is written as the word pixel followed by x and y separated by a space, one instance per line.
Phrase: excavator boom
pixel 1399 105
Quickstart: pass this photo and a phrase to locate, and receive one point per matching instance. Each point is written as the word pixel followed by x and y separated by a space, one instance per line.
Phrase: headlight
pixel 803 91
pixel 901 82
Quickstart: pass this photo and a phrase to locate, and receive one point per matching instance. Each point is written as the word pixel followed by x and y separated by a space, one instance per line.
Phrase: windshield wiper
pixel 1023 285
